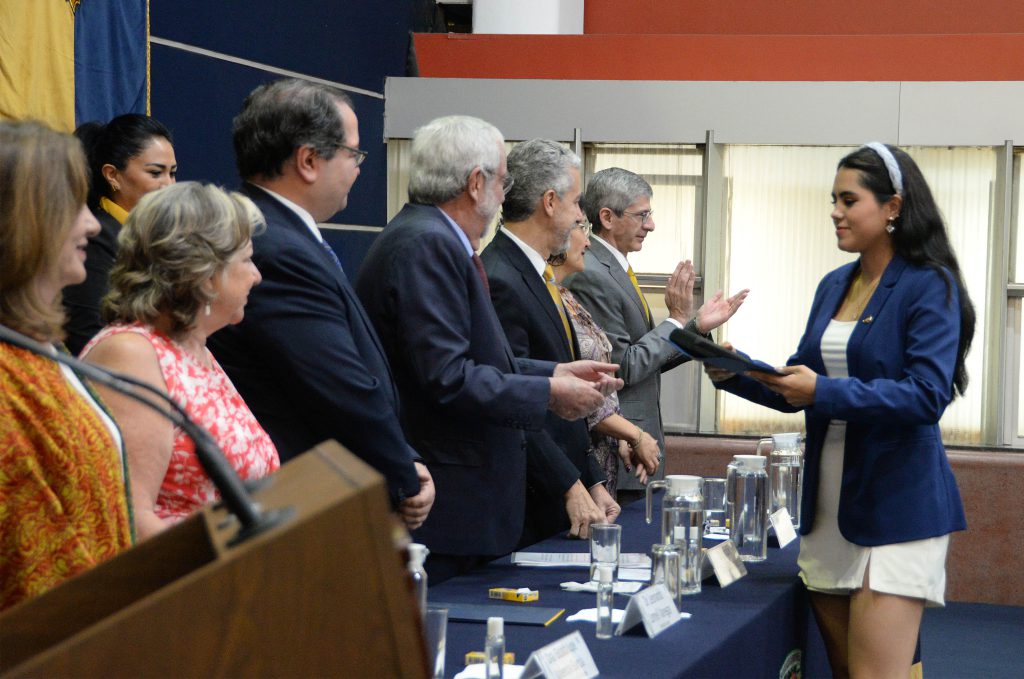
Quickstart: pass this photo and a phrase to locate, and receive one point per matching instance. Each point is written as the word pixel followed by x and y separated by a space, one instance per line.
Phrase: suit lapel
pixel 533 282
pixel 621 278
pixel 284 217
pixel 281 216
pixel 875 307
pixel 432 215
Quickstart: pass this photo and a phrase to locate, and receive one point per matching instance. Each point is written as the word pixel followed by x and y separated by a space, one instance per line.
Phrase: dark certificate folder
pixel 514 614
pixel 702 349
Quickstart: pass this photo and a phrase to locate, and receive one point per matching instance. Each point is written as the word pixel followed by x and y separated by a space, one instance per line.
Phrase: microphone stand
pixel 224 478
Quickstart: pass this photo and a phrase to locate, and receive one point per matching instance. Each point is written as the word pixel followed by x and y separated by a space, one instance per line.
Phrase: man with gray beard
pixel 468 404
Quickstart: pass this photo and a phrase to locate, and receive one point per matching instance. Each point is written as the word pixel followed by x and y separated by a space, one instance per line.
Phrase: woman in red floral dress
pixel 184 270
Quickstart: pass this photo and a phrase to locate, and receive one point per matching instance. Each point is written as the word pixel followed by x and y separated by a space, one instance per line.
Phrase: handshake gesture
pixel 579 388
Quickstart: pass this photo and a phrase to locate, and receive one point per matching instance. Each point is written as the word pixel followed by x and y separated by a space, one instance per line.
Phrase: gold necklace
pixel 857 298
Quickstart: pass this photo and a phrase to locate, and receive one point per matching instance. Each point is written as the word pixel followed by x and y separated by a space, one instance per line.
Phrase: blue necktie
pixel 334 256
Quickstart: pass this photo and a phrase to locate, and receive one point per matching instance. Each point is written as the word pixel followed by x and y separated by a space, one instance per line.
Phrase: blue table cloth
pixel 752 628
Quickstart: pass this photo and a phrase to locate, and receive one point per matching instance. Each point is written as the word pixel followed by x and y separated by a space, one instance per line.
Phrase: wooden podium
pixel 324 593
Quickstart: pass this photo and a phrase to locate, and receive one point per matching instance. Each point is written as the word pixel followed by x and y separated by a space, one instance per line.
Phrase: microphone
pixel 225 479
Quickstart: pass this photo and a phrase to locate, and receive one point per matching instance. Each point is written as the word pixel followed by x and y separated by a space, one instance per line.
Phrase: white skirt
pixel 832 565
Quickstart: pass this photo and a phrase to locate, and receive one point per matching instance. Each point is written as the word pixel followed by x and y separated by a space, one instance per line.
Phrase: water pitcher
pixel 682 524
pixel 747 506
pixel 785 473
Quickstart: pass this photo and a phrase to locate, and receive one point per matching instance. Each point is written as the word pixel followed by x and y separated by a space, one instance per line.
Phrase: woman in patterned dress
pixel 183 271
pixel 612 436
pixel 63 495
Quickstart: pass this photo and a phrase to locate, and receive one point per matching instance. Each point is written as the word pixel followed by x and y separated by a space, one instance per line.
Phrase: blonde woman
pixel 184 270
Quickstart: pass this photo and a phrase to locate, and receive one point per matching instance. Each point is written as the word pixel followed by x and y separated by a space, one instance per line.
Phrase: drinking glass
pixel 714 505
pixel 605 539
pixel 435 624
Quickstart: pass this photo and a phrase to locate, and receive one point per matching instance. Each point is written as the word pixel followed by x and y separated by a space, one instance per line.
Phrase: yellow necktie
pixel 549 280
pixel 636 286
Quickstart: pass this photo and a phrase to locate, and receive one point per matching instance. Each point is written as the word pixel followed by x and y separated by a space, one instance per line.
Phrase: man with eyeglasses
pixel 469 405
pixel 618 205
pixel 306 358
pixel 539 214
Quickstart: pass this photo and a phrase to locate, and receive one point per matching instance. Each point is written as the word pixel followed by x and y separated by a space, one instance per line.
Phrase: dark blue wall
pixel 354 42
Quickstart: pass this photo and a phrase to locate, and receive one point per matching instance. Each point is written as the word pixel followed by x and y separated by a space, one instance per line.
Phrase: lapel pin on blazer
pixel 868 319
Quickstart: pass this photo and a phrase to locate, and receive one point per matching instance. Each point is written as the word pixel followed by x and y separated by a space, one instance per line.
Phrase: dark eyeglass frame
pixel 358 154
pixel 644 216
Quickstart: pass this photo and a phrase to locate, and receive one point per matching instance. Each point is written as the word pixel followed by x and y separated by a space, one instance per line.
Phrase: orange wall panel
pixel 803 17
pixel 723 57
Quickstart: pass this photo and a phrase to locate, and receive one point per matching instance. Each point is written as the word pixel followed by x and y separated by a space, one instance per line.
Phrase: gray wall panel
pixel 919 113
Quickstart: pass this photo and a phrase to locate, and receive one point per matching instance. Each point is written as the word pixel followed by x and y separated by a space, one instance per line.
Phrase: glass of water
pixel 435 624
pixel 714 506
pixel 605 539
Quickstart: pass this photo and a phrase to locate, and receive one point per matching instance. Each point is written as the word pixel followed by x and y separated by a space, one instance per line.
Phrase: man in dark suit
pixel 540 211
pixel 618 204
pixel 306 359
pixel 467 399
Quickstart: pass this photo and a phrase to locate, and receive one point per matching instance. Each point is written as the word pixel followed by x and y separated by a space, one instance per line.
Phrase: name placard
pixel 654 606
pixel 727 564
pixel 567 658
pixel 784 529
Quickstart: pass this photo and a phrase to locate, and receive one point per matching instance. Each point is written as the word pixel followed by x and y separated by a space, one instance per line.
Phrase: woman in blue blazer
pixel 880 359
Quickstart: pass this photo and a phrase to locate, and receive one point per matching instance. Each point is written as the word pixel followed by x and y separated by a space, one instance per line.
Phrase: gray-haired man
pixel 540 211
pixel 466 398
pixel 618 205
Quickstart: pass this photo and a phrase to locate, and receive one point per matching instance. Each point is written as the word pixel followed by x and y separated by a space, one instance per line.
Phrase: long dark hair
pixel 115 143
pixel 920 235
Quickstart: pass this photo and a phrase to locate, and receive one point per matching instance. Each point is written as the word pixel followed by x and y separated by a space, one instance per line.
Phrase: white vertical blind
pixel 962 181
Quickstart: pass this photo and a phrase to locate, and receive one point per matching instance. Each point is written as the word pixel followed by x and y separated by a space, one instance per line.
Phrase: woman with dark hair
pixel 881 357
pixel 184 270
pixel 128 157
pixel 63 487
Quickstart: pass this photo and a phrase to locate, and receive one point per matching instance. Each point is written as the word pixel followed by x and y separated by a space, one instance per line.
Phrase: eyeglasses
pixel 506 182
pixel 644 216
pixel 358 154
pixel 585 227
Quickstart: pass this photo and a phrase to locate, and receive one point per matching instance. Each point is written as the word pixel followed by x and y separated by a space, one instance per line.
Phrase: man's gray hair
pixel 615 189
pixel 537 166
pixel 445 151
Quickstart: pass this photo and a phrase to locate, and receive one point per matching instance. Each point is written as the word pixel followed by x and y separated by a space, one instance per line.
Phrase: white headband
pixel 895 176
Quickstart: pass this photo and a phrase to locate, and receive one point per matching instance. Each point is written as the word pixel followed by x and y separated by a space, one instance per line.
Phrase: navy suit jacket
pixel 534 330
pixel 897 484
pixel 465 401
pixel 306 359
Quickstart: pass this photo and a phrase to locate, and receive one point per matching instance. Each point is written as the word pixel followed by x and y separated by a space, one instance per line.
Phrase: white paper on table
pixel 619 587
pixel 562 559
pixel 590 615
pixel 635 574
pixel 476 671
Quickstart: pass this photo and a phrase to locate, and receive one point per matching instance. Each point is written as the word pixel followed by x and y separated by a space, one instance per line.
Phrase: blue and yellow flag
pixel 65 62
